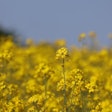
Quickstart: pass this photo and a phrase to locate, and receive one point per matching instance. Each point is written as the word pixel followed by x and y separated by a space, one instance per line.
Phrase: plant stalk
pixel 64 91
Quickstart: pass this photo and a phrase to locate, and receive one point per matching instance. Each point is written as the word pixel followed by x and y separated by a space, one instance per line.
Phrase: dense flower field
pixel 47 77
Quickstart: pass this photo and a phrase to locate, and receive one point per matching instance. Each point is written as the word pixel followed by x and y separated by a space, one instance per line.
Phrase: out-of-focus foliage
pixel 6 34
pixel 31 79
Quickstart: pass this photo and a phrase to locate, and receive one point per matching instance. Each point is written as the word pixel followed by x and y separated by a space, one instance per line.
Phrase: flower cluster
pixel 31 80
pixel 62 53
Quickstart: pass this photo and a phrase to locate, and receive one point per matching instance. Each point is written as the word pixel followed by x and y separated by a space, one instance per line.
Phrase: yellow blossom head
pixel 81 36
pixel 62 53
pixel 92 34
pixel 60 42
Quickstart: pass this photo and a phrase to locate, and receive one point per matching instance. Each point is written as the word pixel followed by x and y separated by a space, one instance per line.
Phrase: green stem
pixel 64 94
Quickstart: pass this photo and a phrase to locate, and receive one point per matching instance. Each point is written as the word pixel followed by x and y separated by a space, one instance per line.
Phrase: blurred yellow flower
pixel 81 36
pixel 92 34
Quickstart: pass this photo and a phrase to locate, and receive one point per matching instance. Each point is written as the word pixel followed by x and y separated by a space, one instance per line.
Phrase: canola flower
pixel 60 43
pixel 62 53
pixel 32 81
pixel 81 36
pixel 92 34
pixel 82 39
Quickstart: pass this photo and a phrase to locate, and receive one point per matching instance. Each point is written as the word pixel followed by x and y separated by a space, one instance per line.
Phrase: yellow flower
pixel 60 42
pixel 92 34
pixel 33 99
pixel 81 36
pixel 62 53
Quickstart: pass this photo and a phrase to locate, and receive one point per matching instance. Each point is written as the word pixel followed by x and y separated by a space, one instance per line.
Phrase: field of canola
pixel 47 77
